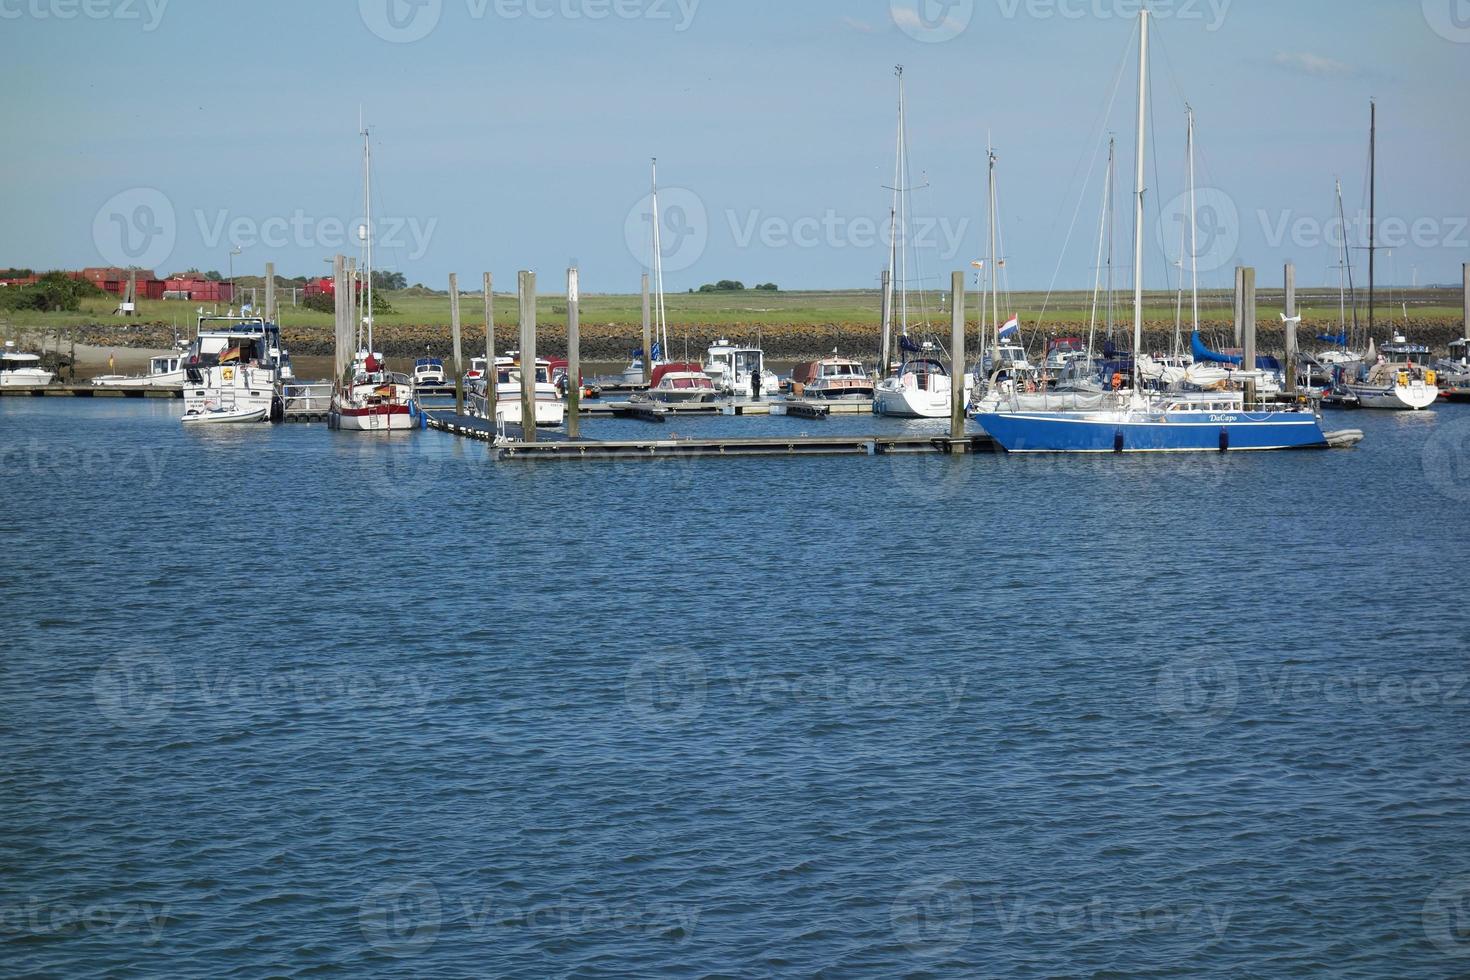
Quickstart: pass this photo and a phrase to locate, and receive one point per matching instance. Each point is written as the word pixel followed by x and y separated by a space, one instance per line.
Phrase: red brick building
pixel 115 281
pixel 197 288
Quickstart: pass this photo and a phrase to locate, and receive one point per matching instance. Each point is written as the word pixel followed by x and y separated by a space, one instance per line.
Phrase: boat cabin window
pixel 747 362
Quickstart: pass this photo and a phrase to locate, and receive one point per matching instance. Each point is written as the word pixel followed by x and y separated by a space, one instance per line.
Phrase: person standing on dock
pixel 755 384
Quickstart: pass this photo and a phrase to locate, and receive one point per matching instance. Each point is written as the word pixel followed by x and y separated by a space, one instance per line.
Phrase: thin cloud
pixel 1311 64
pixel 908 19
pixel 861 26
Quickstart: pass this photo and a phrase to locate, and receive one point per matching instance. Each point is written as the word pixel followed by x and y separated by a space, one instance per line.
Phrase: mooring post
pixel 957 359
pixel 354 317
pixel 1248 304
pixel 647 334
pixel 574 355
pixel 886 311
pixel 492 375
pixel 455 334
pixel 528 356
pixel 339 305
pixel 270 292
pixel 1239 304
pixel 1465 327
pixel 1291 340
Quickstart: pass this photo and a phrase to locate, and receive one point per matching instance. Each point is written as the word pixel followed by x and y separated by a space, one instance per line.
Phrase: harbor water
pixel 278 700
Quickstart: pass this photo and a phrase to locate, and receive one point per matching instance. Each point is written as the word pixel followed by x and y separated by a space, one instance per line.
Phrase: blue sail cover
pixel 1336 340
pixel 907 345
pixel 1203 353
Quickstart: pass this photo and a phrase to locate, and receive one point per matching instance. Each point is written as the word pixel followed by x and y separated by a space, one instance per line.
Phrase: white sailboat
pixel 373 399
pixel 921 387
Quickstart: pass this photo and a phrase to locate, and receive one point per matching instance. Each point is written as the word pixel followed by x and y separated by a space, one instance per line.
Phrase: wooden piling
pixel 574 355
pixel 492 376
pixel 270 292
pixel 1248 316
pixel 957 356
pixel 344 332
pixel 1239 304
pixel 354 315
pixel 1291 338
pixel 1465 327
pixel 647 334
pixel 527 284
pixel 456 336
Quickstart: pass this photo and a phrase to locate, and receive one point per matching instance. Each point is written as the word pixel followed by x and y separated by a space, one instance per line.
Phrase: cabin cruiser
pixel 1454 370
pixel 832 377
pixel 19 370
pixel 231 371
pixel 921 389
pixel 428 372
pixel 550 411
pixel 164 372
pixel 1403 379
pixel 1062 352
pixel 682 383
pixel 733 370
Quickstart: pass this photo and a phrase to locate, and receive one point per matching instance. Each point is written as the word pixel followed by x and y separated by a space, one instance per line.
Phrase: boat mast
pixel 367 234
pixel 1139 191
pixel 1193 224
pixel 994 264
pixel 661 326
pixel 1347 262
pixel 903 206
pixel 893 227
pixel 1372 211
pixel 1102 232
pixel 1110 208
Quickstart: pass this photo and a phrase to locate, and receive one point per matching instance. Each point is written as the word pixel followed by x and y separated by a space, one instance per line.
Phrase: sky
pixel 518 134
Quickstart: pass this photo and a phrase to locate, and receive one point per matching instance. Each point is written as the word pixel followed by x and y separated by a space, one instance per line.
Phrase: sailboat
pixel 921 387
pixel 371 398
pixel 1151 422
pixel 1402 377
pixel 682 381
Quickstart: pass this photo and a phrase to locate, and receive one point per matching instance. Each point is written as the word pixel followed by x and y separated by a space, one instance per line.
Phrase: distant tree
pixel 723 286
pixel 383 279
pixel 769 287
pixel 321 302
pixel 213 276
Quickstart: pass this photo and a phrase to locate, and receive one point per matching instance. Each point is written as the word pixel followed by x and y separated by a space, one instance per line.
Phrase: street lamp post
pixel 233 252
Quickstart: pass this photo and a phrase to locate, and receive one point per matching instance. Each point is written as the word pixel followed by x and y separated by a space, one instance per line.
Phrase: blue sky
pixel 517 133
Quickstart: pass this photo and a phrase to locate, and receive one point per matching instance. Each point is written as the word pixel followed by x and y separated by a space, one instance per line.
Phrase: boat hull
pixel 376 418
pixel 1413 397
pixel 244 416
pixel 1187 432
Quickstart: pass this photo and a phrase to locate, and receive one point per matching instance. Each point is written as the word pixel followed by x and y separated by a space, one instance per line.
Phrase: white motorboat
pixel 832 378
pixel 18 370
pixel 734 370
pixel 550 410
pixel 164 372
pixel 428 372
pixel 231 371
pixel 1454 370
pixel 921 390
pixel 682 383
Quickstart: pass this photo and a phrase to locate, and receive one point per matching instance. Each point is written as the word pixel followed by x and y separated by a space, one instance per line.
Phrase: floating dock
pixel 554 445
pixel 89 391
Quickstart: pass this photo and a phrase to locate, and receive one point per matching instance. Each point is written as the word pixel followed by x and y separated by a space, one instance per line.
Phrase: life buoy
pixel 1117 380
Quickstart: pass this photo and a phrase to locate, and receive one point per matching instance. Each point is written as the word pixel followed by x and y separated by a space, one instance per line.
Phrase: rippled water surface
pixel 285 701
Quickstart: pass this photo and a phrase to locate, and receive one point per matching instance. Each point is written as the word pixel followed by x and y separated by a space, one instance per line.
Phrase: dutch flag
pixel 1011 329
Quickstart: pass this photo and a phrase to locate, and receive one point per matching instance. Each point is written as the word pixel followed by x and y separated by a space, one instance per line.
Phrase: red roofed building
pixel 115 281
pixel 197 288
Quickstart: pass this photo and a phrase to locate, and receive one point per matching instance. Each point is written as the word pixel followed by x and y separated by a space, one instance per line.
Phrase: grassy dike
pixel 789 325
